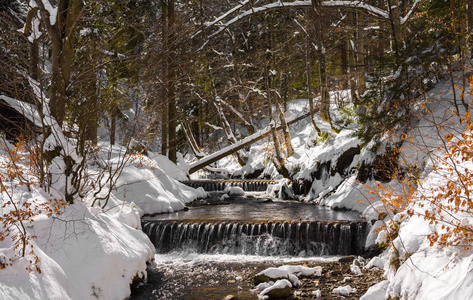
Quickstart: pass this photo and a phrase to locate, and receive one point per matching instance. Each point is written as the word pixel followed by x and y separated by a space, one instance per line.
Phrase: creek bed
pixel 205 270
pixel 190 276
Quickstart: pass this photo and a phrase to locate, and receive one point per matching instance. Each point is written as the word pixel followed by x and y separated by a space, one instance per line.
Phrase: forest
pixel 184 68
pixel 106 107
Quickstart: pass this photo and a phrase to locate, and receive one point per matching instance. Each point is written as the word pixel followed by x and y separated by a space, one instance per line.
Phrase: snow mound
pixel 345 290
pixel 234 191
pixel 84 254
pixel 148 185
pixel 286 270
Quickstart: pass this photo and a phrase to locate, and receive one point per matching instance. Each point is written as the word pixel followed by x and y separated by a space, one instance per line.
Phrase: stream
pixel 211 251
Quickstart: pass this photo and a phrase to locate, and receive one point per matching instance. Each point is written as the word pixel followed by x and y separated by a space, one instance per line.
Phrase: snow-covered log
pixel 201 163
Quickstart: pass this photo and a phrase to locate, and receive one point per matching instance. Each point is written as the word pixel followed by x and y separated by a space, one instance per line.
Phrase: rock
pixel 373 250
pixel 347 259
pixel 280 292
pixel 260 278
pixel 280 289
pixel 335 272
pixel 230 297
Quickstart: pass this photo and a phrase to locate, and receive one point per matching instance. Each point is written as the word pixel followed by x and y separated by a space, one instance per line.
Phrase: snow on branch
pixel 243 3
pixel 377 12
pixel 407 16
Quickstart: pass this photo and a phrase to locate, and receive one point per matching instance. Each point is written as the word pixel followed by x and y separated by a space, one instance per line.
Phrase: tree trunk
pixel 171 90
pixel 287 135
pixel 278 160
pixel 395 22
pixel 113 124
pixel 360 55
pixel 308 62
pixel 191 140
pixel 227 130
pixel 62 35
pixel 34 59
pixel 344 64
pixel 323 81
pixel 164 88
pixel 91 110
pixel 352 58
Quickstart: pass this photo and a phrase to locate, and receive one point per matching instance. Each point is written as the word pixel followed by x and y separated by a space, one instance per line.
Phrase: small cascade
pixel 220 185
pixel 311 238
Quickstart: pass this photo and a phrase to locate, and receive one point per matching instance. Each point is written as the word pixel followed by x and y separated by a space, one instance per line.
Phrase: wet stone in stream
pixel 192 280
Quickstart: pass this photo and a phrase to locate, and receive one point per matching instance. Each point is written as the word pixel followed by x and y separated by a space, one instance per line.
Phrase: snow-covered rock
pixel 287 272
pixel 345 290
pixel 234 191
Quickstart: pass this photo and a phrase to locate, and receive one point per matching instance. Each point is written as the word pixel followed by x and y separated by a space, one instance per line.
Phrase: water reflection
pixel 250 209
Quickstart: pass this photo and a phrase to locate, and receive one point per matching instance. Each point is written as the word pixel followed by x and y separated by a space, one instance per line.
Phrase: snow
pixel 26 109
pixel 286 270
pixel 148 183
pixel 345 290
pixel 84 254
pixel 375 262
pixel 88 252
pixel 291 273
pixel 376 292
pixel 234 191
pixel 355 269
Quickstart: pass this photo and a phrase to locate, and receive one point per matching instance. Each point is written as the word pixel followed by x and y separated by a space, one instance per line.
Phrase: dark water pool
pixel 253 209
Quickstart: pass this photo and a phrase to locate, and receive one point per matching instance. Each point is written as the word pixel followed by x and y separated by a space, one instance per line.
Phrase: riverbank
pixel 199 277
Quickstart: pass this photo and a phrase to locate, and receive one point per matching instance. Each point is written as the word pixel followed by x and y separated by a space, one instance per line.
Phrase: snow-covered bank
pixel 77 251
pixel 149 183
pixel 83 254
pixel 340 171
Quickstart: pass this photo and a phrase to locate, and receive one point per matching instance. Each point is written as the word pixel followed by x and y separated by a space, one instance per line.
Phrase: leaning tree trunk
pixel 278 160
pixel 227 130
pixel 287 135
pixel 191 140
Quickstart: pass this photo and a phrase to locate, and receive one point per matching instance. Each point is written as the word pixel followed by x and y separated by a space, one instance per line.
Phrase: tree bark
pixel 171 90
pixel 360 55
pixel 227 130
pixel 113 124
pixel 62 36
pixel 308 62
pixel 191 140
pixel 323 81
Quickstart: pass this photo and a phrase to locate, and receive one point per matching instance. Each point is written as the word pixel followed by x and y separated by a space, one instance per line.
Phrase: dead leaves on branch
pixel 18 207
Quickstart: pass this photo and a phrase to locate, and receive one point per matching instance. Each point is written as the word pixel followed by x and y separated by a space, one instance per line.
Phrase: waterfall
pixel 266 238
pixel 220 185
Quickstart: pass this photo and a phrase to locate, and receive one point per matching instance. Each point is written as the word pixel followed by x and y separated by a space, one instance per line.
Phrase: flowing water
pixel 211 251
